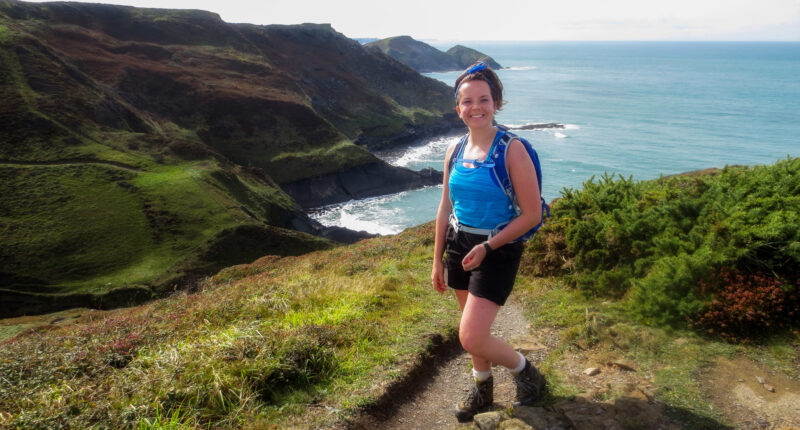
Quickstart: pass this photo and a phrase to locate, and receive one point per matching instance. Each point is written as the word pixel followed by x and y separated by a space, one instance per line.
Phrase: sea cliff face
pixel 135 144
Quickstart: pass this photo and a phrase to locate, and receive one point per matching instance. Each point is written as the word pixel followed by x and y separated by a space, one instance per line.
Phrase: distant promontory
pixel 425 58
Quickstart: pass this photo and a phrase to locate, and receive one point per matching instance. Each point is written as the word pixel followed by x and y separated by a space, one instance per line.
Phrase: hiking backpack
pixel 501 178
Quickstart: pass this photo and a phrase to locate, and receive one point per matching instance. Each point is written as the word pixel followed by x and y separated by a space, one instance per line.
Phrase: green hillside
pixel 143 148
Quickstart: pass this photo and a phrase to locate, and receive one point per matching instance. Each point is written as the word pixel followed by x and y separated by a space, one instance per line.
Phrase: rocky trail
pixel 615 395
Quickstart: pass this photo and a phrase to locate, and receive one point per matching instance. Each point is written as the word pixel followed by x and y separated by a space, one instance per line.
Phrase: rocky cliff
pixel 142 147
pixel 425 58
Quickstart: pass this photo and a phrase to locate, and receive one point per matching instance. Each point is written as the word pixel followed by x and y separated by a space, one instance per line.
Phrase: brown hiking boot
pixel 480 396
pixel 530 385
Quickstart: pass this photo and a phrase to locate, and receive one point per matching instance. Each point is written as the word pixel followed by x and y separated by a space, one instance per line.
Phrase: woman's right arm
pixel 442 220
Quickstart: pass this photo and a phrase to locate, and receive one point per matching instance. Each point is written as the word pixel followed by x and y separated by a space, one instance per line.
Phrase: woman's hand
pixel 474 258
pixel 437 277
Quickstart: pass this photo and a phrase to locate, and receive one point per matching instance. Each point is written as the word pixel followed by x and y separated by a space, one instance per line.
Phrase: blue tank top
pixel 478 201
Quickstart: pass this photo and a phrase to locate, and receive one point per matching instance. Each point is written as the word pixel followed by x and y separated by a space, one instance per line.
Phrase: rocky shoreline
pixel 370 180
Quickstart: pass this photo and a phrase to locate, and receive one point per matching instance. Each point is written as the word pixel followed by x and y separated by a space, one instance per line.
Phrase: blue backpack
pixel 500 177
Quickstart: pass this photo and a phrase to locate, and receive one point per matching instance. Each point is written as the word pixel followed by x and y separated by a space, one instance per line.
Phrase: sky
pixel 494 20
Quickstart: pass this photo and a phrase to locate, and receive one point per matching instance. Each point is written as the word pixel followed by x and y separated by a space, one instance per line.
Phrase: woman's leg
pixel 475 333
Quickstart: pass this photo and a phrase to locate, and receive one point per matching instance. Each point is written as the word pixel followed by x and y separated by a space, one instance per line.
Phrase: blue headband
pixel 474 69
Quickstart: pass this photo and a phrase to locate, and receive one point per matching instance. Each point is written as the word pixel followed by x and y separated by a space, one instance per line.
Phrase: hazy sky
pixel 520 19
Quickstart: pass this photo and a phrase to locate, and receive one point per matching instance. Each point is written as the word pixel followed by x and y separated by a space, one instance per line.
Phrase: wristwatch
pixel 488 248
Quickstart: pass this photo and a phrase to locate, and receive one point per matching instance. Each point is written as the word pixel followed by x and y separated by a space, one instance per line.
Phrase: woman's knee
pixel 472 340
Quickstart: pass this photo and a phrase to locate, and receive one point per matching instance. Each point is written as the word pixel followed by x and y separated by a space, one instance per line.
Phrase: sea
pixel 640 109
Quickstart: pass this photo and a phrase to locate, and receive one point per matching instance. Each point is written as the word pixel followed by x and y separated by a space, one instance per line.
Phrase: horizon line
pixel 586 40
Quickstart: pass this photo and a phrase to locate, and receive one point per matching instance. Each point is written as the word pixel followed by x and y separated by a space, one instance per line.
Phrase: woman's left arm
pixel 526 187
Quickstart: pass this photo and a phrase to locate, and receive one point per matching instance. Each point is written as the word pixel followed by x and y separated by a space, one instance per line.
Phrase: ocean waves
pixel 384 215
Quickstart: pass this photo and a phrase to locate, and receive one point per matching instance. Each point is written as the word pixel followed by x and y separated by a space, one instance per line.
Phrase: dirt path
pixel 431 404
pixel 618 396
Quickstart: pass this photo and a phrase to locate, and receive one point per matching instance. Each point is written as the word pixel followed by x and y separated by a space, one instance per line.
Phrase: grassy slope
pixel 121 141
pixel 294 341
pixel 86 227
pixel 306 341
pixel 88 208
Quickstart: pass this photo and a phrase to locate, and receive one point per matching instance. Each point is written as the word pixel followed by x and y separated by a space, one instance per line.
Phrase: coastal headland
pixel 141 149
pixel 425 58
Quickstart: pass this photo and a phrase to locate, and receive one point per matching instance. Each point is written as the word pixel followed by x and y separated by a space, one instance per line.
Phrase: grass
pixel 295 165
pixel 308 341
pixel 284 341
pixel 61 219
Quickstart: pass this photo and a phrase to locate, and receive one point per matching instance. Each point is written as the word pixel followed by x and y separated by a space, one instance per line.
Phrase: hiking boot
pixel 530 385
pixel 480 396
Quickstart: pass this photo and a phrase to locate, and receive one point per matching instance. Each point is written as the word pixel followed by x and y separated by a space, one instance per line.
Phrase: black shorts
pixel 493 279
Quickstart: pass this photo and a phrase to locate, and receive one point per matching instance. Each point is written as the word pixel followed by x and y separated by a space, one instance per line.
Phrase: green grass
pixel 5 34
pixel 294 165
pixel 61 216
pixel 291 341
pixel 91 228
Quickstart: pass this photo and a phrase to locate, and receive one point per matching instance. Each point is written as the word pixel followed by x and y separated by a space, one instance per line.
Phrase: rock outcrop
pixel 580 414
pixel 425 58
pixel 358 183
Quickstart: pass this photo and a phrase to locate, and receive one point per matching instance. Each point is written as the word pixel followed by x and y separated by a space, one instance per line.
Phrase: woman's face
pixel 475 104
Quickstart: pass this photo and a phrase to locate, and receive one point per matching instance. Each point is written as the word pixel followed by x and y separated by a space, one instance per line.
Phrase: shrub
pixel 665 296
pixel 548 253
pixel 745 305
pixel 655 240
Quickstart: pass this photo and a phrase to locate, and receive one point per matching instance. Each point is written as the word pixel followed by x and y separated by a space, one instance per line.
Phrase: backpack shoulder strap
pixel 457 150
pixel 500 169
pixel 452 162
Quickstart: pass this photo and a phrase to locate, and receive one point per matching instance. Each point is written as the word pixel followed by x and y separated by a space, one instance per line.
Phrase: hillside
pixel 425 58
pixel 348 337
pixel 142 148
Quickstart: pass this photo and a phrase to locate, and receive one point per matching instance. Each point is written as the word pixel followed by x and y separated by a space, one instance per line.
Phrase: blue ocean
pixel 632 108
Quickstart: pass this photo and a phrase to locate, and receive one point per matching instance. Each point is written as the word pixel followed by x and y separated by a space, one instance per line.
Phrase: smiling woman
pixel 482 258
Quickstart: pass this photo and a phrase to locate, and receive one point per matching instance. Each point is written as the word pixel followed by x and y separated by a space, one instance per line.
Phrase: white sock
pixel 521 366
pixel 481 376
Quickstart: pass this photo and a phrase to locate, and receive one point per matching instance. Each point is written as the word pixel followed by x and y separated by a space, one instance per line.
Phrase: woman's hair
pixel 481 72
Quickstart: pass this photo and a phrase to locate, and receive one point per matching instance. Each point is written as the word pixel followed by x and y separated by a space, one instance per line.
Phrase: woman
pixel 481 268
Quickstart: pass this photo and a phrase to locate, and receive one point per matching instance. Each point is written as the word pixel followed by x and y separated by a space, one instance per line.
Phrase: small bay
pixel 632 108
